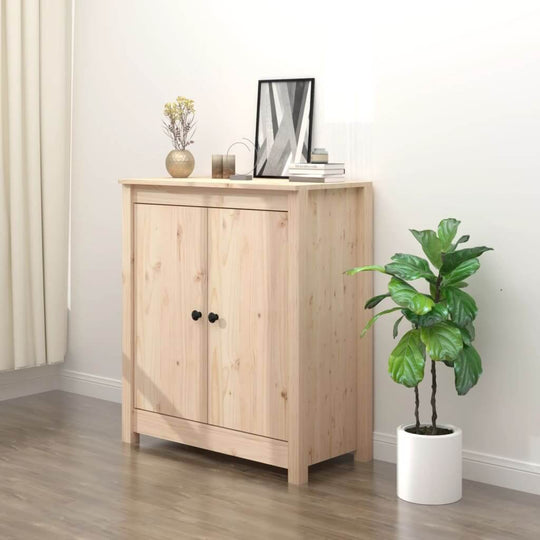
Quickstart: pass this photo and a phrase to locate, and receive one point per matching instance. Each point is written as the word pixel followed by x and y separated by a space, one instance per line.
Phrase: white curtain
pixel 35 109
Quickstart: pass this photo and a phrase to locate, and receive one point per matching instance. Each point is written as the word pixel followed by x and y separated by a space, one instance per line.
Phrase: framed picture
pixel 284 121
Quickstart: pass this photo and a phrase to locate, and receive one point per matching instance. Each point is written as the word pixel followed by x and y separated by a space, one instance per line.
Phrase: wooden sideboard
pixel 240 330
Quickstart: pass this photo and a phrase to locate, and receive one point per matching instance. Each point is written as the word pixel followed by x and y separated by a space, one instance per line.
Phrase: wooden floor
pixel 64 474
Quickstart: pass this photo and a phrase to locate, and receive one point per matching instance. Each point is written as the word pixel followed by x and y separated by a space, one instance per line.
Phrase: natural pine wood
pixel 299 415
pixel 331 312
pixel 170 282
pixel 264 184
pixel 128 433
pixel 364 291
pixel 221 198
pixel 225 441
pixel 285 360
pixel 327 233
pixel 247 287
pixel 65 475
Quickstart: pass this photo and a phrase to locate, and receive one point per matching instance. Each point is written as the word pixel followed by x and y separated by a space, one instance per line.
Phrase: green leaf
pixel 409 267
pixel 467 369
pixel 407 296
pixel 438 314
pixel 421 304
pixel 372 302
pixel 401 292
pixel 465 336
pixel 471 330
pixel 463 271
pixel 406 363
pixel 431 245
pixel 462 306
pixel 447 231
pixel 462 239
pixel 443 341
pixel 373 319
pixel 454 259
pixel 370 268
pixel 396 327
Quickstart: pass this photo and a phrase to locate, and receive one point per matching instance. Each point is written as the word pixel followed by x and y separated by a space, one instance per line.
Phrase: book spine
pixel 315 179
pixel 337 172
pixel 318 166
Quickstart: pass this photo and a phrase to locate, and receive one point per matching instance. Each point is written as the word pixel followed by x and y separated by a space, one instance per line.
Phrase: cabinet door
pixel 171 375
pixel 247 261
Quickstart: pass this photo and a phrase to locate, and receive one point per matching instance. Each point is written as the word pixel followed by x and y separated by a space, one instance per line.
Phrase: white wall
pixel 456 133
pixel 437 103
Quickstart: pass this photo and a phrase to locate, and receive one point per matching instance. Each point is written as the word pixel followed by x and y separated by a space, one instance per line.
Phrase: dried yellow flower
pixel 181 121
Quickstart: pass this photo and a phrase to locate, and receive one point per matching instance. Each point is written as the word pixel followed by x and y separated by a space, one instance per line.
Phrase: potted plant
pixel 429 455
pixel 179 126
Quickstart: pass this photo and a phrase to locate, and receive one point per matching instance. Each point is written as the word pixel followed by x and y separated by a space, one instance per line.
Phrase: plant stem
pixel 417 408
pixel 433 401
pixel 438 289
pixel 434 368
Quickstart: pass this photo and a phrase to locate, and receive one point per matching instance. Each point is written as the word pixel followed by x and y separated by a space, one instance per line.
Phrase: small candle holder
pixel 229 165
pixel 217 165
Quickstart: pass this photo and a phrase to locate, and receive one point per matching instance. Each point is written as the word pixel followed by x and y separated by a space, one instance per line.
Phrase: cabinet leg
pixel 298 475
pixel 364 453
pixel 130 437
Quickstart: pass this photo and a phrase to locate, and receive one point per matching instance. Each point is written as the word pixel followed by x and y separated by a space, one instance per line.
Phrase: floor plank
pixel 66 475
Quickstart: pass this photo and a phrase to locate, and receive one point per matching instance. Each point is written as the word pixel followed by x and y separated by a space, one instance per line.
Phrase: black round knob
pixel 196 315
pixel 213 317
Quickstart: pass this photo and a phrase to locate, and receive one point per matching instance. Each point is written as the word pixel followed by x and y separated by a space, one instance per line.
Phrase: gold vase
pixel 180 163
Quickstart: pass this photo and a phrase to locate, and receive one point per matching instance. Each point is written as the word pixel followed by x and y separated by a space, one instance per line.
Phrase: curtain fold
pixel 35 105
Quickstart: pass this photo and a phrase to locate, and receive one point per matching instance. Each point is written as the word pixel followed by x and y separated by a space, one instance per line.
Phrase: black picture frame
pixel 265 171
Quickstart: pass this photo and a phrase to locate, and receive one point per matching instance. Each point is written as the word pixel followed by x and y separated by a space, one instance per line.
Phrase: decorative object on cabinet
pixel 247 175
pixel 319 155
pixel 442 325
pixel 255 350
pixel 180 128
pixel 284 124
pixel 229 165
pixel 180 163
pixel 317 172
pixel 217 165
pixel 223 165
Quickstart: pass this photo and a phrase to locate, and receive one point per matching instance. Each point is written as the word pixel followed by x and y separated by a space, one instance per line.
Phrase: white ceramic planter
pixel 429 467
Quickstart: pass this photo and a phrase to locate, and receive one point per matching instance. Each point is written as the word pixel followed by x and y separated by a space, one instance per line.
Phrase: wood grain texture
pixel 284 360
pixel 331 313
pixel 170 282
pixel 128 433
pixel 265 184
pixel 300 417
pixel 65 476
pixel 247 287
pixel 219 198
pixel 364 291
pixel 217 439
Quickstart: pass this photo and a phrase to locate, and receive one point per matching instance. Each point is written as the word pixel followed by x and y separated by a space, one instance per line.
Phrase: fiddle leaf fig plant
pixel 441 320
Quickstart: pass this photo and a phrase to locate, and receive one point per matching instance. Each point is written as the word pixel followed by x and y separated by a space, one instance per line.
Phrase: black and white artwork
pixel 284 119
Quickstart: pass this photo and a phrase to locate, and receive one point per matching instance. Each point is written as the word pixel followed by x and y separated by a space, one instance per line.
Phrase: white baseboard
pixel 90 385
pixel 28 381
pixel 486 468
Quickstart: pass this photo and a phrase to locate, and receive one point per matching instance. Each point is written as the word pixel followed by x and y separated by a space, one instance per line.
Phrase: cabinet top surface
pixel 279 184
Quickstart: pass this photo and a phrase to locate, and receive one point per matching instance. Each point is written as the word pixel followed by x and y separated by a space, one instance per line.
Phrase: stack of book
pixel 317 172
